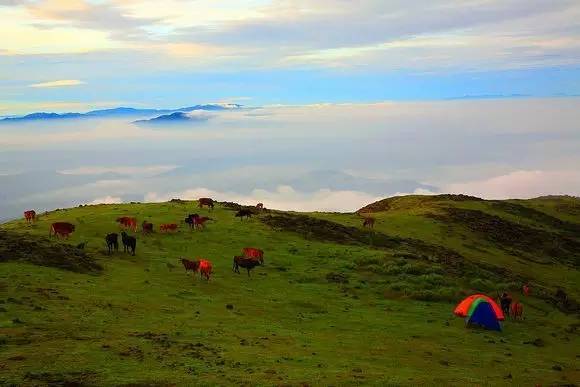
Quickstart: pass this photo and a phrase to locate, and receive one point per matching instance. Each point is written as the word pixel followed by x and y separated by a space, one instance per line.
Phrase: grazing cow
pixel 200 222
pixel 62 229
pixel 168 227
pixel 244 213
pixel 245 262
pixel 128 222
pixel 30 216
pixel 251 252
pixel 146 227
pixel 206 202
pixel 260 206
pixel 112 241
pixel 129 243
pixel 190 220
pixel 205 268
pixel 190 265
pixel 369 222
pixel 517 310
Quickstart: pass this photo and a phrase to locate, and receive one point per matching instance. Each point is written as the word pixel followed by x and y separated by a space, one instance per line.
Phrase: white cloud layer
pixel 60 83
pixel 283 198
pixel 522 185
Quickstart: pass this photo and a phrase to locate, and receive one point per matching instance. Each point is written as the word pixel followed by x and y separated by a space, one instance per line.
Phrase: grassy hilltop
pixel 334 304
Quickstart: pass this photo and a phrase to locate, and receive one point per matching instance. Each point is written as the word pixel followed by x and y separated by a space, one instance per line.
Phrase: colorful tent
pixel 480 309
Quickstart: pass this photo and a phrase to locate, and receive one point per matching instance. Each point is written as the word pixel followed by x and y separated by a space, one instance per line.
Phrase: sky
pixel 344 102
pixel 70 55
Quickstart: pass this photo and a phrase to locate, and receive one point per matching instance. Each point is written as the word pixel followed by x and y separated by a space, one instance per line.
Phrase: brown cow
pixel 62 229
pixel 260 206
pixel 206 202
pixel 190 265
pixel 251 252
pixel 128 222
pixel 245 262
pixel 369 222
pixel 200 222
pixel 168 227
pixel 30 216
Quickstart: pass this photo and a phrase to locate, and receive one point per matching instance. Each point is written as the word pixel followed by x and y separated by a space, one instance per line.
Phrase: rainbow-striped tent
pixel 479 309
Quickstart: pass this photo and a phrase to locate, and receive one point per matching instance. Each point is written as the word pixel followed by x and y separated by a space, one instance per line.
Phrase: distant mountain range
pixel 120 112
pixel 174 118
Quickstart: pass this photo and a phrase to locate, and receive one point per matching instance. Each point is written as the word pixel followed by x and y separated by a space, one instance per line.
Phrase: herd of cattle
pixel 250 258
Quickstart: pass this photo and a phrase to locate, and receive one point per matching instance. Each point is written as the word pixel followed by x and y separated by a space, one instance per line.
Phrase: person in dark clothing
pixel 505 301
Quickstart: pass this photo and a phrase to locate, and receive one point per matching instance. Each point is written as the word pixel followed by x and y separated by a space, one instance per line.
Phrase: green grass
pixel 142 321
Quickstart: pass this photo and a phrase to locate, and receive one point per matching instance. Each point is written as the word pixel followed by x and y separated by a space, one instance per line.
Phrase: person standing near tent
pixel 506 302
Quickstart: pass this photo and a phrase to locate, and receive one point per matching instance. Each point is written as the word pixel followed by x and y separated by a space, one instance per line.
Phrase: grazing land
pixel 334 303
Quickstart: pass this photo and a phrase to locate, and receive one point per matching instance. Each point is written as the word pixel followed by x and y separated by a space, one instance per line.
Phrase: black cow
pixel 112 241
pixel 129 243
pixel 191 220
pixel 244 213
pixel 246 263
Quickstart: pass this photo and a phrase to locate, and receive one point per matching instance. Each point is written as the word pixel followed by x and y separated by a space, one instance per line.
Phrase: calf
pixel 168 227
pixel 244 213
pixel 112 241
pixel 63 229
pixel 30 216
pixel 246 263
pixel 251 252
pixel 129 243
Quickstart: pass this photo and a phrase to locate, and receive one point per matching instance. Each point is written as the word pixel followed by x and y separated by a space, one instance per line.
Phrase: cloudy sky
pixel 346 101
pixel 74 54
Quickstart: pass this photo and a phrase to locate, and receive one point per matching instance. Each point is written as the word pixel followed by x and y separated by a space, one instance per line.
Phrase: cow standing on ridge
pixel 30 216
pixel 206 202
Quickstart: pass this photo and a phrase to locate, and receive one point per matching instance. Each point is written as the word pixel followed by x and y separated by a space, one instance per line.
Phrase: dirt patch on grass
pixel 43 252
pixel 530 243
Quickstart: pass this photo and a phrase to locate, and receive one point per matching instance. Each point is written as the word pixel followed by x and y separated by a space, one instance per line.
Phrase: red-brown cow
pixel 251 252
pixel 128 222
pixel 206 202
pixel 146 227
pixel 244 262
pixel 168 227
pixel 205 268
pixel 30 216
pixel 517 311
pixel 260 206
pixel 62 229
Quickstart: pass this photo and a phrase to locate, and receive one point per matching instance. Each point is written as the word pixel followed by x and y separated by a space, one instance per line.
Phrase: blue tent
pixel 484 315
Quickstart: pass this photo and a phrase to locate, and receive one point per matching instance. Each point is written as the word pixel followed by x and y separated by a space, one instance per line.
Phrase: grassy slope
pixel 142 321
